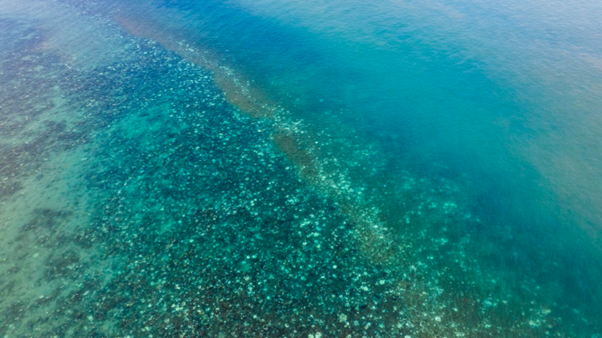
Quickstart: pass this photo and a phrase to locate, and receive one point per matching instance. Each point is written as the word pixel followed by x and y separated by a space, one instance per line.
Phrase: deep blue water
pixel 300 169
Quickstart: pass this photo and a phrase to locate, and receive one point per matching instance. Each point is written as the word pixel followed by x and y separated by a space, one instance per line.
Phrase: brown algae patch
pixel 238 90
pixel 298 153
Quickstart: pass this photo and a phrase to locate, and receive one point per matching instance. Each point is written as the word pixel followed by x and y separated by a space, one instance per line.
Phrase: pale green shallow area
pixel 226 169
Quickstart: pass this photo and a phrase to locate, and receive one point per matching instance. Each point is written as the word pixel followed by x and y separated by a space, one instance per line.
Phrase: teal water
pixel 300 169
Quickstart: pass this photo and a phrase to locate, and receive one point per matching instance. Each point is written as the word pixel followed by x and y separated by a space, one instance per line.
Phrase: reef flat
pixel 150 188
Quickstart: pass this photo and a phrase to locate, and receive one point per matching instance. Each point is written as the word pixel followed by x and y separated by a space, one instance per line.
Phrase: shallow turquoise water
pixel 288 169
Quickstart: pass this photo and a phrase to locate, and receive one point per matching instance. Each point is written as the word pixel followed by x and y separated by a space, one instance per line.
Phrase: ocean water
pixel 309 169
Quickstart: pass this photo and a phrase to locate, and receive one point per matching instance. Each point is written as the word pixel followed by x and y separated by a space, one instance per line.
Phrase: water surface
pixel 300 169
